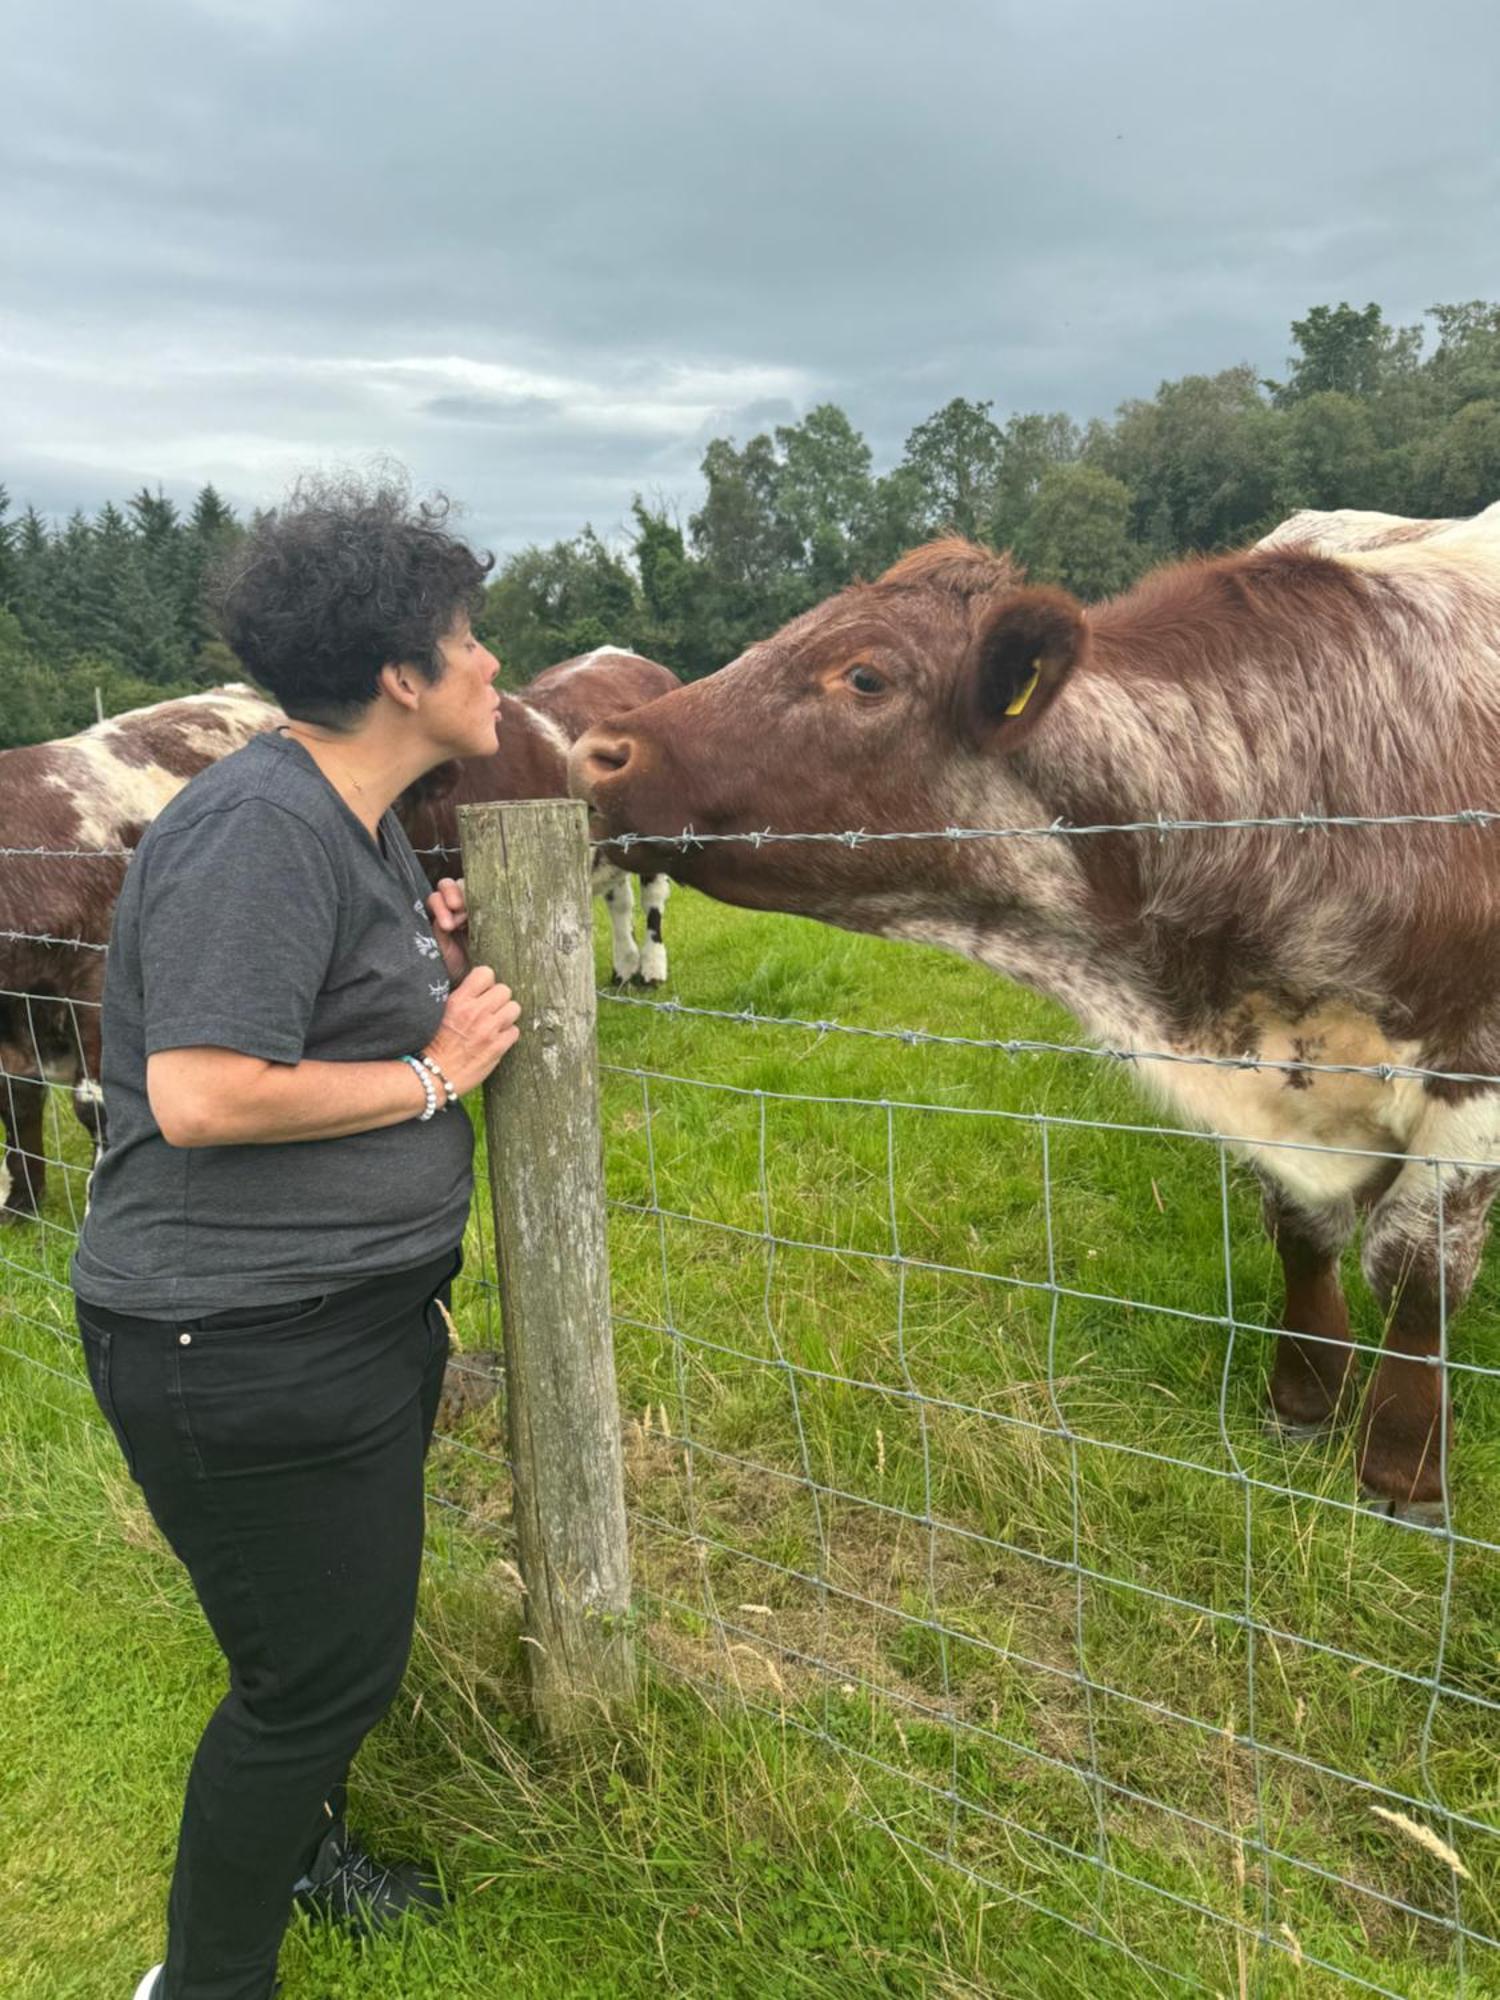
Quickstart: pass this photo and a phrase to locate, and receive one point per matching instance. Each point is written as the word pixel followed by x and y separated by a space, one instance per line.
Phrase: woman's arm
pixel 218 1097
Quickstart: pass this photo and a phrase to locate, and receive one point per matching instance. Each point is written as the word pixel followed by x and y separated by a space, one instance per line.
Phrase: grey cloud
pixel 522 414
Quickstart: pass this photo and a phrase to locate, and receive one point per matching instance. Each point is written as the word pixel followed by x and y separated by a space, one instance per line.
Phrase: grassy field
pixel 946 1571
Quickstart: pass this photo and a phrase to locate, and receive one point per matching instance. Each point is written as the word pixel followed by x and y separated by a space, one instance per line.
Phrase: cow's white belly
pixel 1322 1142
pixel 1321 1133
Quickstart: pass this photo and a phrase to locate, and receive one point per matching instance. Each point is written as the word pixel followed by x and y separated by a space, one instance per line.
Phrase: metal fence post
pixel 531 919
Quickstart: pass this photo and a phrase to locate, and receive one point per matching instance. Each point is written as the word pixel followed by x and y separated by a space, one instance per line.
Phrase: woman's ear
pixel 1025 651
pixel 402 683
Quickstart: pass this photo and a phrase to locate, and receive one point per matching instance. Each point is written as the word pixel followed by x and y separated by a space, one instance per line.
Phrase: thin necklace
pixel 343 780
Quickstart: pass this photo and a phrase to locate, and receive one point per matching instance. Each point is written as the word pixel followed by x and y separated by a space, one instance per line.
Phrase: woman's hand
pixel 448 909
pixel 479 1025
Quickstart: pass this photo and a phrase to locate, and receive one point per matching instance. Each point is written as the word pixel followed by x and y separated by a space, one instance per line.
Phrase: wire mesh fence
pixel 943 1376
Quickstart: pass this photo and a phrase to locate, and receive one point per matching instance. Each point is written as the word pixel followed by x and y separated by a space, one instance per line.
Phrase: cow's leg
pixel 655 890
pixel 625 957
pixel 1421 1253
pixel 88 1097
pixel 88 1108
pixel 1312 1381
pixel 23 1099
pixel 88 1094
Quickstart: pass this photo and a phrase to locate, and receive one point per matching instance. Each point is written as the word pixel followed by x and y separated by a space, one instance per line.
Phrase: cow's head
pixel 897 706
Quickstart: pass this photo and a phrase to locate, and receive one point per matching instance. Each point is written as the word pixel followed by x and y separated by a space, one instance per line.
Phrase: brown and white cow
pixel 85 801
pixel 537 728
pixel 1272 683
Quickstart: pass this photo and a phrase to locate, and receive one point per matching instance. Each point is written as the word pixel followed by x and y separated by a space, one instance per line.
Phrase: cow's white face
pixel 894 707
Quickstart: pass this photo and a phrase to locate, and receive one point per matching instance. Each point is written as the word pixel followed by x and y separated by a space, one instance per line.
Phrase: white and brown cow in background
pixel 1348 530
pixel 1273 683
pixel 537 728
pixel 85 801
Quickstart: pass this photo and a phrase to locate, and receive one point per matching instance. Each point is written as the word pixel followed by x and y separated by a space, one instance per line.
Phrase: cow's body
pixel 1274 684
pixel 536 731
pixel 1349 530
pixel 86 800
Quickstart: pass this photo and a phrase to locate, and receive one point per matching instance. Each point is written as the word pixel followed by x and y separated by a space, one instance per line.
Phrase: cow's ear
pixel 1025 651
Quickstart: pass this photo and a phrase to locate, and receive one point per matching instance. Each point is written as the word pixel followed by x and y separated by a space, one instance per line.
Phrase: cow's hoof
pixel 1432 1514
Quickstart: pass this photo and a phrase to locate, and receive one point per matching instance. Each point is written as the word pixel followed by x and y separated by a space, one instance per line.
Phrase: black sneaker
pixel 345 1886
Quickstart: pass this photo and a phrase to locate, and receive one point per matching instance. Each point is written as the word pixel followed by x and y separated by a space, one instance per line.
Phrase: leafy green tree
pixel 1348 352
pixel 1328 453
pixel 86 678
pixel 149 641
pixel 1031 446
pixel 157 592
pixel 546 605
pixel 70 574
pixel 1465 366
pixel 1077 533
pixel 956 457
pixel 28 694
pixel 112 553
pixel 740 531
pixel 214 665
pixel 893 521
pixel 10 578
pixel 754 574
pixel 822 493
pixel 1200 460
pixel 1456 470
pixel 33 567
pixel 211 531
pixel 672 626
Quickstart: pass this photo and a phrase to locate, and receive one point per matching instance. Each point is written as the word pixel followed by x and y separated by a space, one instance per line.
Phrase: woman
pixel 289 1023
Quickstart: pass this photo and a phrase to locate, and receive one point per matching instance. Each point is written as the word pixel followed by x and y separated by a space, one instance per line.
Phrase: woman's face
pixel 462 708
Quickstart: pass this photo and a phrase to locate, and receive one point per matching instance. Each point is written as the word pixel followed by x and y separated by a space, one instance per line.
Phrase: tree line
pixel 1405 419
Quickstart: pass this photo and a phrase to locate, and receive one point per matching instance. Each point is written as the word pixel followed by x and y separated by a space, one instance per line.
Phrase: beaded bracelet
pixel 414 1064
pixel 436 1068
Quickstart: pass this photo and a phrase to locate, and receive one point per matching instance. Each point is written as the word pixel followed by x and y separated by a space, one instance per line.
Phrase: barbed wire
pixel 64 943
pixel 689 841
pixel 1158 827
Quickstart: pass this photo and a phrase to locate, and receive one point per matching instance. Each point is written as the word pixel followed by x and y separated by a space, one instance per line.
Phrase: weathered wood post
pixel 531 919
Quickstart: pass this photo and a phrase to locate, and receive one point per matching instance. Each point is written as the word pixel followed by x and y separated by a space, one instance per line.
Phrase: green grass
pixel 766 1828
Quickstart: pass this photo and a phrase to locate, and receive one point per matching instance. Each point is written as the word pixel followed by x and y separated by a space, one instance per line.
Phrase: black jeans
pixel 280 1452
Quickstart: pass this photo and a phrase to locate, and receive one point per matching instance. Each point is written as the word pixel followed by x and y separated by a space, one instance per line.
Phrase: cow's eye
pixel 865 680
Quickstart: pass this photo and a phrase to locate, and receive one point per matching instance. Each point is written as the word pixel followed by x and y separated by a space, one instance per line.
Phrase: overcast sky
pixel 543 252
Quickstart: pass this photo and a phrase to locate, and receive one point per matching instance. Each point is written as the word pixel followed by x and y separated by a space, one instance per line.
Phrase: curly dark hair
pixel 345 578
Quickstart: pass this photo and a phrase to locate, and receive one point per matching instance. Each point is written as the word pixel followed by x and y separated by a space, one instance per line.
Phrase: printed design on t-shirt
pixel 429 947
pixel 426 943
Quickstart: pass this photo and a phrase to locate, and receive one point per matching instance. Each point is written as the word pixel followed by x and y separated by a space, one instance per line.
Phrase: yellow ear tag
pixel 1028 691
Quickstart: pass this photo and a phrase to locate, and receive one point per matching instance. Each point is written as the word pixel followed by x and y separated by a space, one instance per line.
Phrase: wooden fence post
pixel 531 919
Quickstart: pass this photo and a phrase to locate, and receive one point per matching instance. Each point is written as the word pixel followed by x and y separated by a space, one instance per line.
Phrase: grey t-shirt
pixel 259 915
